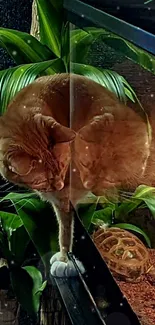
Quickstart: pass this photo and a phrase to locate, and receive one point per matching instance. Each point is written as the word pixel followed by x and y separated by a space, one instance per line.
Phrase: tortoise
pixel 125 254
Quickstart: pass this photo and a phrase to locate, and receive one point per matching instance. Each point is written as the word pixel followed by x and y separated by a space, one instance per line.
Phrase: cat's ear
pixel 58 132
pixel 93 131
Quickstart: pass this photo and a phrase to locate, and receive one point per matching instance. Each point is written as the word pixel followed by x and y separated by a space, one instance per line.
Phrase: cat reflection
pixel 66 118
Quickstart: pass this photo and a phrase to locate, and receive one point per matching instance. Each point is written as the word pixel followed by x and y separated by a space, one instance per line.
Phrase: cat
pixel 35 150
pixel 64 136
pixel 113 147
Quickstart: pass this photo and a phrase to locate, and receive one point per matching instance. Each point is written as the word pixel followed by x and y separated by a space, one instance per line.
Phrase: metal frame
pixel 83 14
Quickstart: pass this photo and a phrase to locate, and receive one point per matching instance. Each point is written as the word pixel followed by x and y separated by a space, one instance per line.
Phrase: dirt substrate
pixel 141 297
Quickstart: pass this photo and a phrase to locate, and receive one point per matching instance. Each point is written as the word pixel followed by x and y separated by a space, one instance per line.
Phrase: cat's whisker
pixel 3 185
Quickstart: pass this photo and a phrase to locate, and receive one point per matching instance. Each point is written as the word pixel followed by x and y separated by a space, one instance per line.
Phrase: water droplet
pixel 5 305
pixel 149 8
pixel 24 106
pixel 87 147
pixel 14 53
pixel 28 41
pixel 82 16
pixel 40 161
pixel 83 237
pixel 118 7
pixel 74 170
pixel 121 304
pixel 75 307
pixel 152 95
pixel 12 262
pixel 75 42
pixel 94 267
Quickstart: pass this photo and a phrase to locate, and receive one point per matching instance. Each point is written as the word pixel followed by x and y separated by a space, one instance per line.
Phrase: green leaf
pixel 80 42
pixel 19 241
pixel 104 215
pixel 28 201
pixel 126 207
pixel 147 195
pixel 10 220
pixel 86 212
pixel 50 23
pixel 136 229
pixel 65 45
pixel 136 54
pixel 26 282
pixel 5 248
pixel 57 4
pixel 109 79
pixel 42 230
pixel 14 79
pixel 22 47
pixel 38 285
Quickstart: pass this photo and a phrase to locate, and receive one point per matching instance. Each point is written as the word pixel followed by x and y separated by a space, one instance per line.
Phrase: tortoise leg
pixel 150 275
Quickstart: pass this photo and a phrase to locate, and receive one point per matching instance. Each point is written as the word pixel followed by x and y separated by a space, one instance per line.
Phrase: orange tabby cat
pixel 64 115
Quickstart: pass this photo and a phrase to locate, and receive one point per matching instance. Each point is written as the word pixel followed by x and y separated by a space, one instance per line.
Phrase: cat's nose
pixel 59 185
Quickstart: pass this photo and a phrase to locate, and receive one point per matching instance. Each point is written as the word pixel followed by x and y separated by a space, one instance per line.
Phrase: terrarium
pixel 107 50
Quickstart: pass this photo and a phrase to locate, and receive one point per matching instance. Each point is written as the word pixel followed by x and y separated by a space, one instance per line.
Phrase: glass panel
pixel 112 176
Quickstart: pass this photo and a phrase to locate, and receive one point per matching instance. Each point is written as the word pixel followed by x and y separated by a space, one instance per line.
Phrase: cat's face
pixel 111 153
pixel 37 155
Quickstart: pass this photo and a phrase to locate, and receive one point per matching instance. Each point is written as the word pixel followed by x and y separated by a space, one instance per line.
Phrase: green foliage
pixel 58 47
pixel 59 50
pixel 38 220
pixel 115 214
pixel 17 229
pixel 14 79
pixel 28 285
pixel 132 52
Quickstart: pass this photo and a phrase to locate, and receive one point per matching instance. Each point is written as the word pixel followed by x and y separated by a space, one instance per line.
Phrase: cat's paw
pixel 64 269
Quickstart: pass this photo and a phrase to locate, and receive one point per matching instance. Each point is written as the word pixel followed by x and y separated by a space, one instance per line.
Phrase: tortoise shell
pixel 123 252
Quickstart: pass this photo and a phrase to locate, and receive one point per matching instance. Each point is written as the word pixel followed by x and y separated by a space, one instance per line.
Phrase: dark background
pixel 14 14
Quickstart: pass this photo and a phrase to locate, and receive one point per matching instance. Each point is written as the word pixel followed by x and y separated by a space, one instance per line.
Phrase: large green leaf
pixel 26 200
pixel 65 45
pixel 39 221
pixel 42 230
pixel 10 221
pixel 27 285
pixel 136 54
pixel 104 215
pixel 50 23
pixel 109 79
pixel 19 241
pixel 14 79
pixel 136 229
pixel 142 194
pixel 22 47
pixel 80 42
pixel 57 4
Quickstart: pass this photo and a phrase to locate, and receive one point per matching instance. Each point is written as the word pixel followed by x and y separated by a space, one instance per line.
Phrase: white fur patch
pixel 61 269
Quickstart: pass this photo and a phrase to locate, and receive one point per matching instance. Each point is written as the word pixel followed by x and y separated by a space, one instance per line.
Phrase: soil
pixel 141 296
